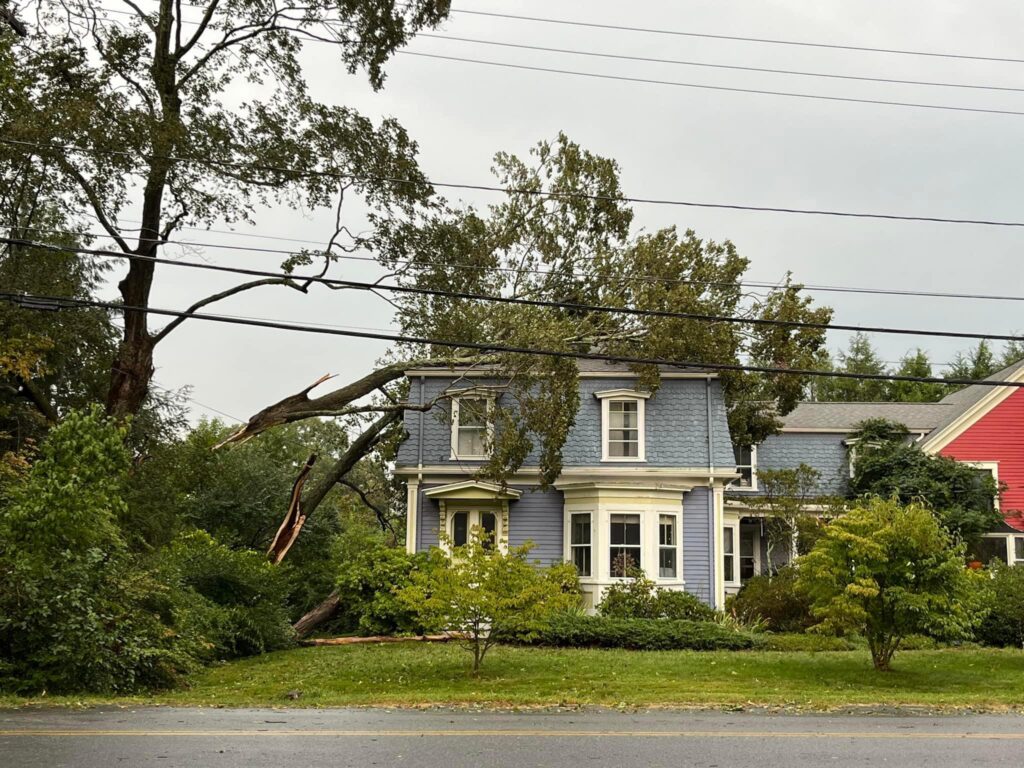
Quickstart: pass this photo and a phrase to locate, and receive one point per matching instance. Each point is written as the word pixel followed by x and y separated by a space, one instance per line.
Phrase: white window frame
pixel 676 529
pixel 734 527
pixel 1010 541
pixel 623 395
pixel 474 513
pixel 488 397
pixel 991 466
pixel 589 545
pixel 752 488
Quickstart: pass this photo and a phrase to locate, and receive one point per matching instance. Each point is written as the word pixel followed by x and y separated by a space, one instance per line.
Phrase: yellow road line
pixel 517 733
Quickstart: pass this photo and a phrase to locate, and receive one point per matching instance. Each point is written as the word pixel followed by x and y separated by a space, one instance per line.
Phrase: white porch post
pixel 718 550
pixel 412 500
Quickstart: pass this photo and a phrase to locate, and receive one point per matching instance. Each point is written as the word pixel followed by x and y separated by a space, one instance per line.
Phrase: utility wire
pixel 55 303
pixel 521 270
pixel 715 65
pixel 707 87
pixel 518 191
pixel 768 41
pixel 406 289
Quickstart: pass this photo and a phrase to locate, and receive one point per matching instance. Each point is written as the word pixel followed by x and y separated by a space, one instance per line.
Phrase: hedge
pixel 571 631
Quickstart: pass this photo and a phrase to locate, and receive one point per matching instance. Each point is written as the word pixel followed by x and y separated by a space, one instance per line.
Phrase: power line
pixel 521 191
pixel 764 40
pixel 706 87
pixel 716 65
pixel 524 270
pixel 57 303
pixel 464 295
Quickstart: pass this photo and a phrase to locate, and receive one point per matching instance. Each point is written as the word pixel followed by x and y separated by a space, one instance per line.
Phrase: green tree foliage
pixel 240 495
pixel 889 570
pixel 775 600
pixel 638 597
pixel 1004 624
pixel 231 602
pixel 73 604
pixel 977 363
pixel 887 465
pixel 916 363
pixel 859 357
pixel 480 594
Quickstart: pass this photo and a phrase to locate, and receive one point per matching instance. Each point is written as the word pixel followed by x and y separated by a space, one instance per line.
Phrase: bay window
pixel 579 542
pixel 624 552
pixel 667 546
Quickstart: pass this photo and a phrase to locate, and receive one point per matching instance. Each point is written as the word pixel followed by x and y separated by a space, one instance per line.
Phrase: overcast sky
pixel 680 143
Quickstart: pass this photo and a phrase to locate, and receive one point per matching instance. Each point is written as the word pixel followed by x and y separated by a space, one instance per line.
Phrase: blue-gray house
pixel 643 480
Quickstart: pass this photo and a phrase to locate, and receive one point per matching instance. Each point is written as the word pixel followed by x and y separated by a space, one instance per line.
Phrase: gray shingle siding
pixel 697 544
pixel 825 452
pixel 676 425
pixel 537 516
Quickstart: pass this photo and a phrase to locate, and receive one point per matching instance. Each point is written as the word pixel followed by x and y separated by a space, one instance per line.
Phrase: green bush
pixel 73 603
pixel 1004 625
pixel 808 643
pixel 638 597
pixel 567 630
pixel 776 600
pixel 369 584
pixel 232 601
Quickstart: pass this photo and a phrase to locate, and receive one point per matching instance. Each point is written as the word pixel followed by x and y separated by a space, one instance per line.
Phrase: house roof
pixel 917 417
pixel 844 417
pixel 586 368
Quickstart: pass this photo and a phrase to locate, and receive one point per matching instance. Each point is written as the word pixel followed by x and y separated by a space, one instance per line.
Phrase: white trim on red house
pixel 936 441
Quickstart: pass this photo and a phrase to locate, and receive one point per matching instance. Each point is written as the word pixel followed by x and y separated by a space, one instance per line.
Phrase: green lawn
pixel 411 674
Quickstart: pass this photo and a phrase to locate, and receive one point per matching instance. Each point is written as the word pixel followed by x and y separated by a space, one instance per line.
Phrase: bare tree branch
pixel 382 518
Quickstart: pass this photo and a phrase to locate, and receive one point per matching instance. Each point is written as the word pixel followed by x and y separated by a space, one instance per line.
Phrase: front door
pixel 464 521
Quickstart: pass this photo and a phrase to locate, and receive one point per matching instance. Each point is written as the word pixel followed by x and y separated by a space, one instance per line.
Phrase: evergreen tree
pixel 978 363
pixel 859 357
pixel 915 364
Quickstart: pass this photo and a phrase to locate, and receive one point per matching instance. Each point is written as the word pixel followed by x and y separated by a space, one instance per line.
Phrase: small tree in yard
pixel 479 594
pixel 887 570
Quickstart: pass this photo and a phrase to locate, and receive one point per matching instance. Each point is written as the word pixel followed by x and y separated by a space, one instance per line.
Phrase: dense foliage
pixel 577 631
pixel 74 608
pixel 638 597
pixel 232 601
pixel 776 600
pixel 1004 624
pixel 887 465
pixel 888 570
pixel 480 594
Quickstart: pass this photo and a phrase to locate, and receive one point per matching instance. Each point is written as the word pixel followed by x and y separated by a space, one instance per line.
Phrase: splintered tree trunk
pixel 323 612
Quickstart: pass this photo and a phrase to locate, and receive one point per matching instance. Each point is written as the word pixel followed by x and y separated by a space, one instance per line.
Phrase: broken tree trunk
pixel 294 519
pixel 323 612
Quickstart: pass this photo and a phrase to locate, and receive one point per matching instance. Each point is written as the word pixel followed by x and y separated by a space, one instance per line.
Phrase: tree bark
pixel 314 618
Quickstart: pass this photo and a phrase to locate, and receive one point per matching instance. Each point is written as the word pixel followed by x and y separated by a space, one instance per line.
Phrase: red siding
pixel 999 436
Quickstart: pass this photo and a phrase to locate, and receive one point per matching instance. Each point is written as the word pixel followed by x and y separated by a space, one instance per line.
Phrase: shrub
pixel 73 603
pixel 232 601
pixel 809 643
pixel 887 571
pixel 567 630
pixel 369 584
pixel 777 600
pixel 639 598
pixel 481 594
pixel 1004 625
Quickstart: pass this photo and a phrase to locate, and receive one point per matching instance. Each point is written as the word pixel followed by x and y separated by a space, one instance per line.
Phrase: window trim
pixel 641 545
pixel 1010 542
pixel 993 467
pixel 473 519
pixel 487 397
pixel 676 528
pixel 589 545
pixel 734 527
pixel 609 396
pixel 752 488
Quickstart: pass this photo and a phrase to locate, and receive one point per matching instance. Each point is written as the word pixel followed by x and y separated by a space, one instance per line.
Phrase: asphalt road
pixel 107 738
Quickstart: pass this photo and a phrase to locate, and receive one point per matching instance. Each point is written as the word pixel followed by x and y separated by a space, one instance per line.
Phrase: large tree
pixel 190 114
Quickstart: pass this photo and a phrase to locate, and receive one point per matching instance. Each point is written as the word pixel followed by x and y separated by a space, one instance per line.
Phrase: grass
pixel 416 674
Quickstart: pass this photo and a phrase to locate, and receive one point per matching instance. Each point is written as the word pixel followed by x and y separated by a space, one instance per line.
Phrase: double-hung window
pixel 746 465
pixel 470 427
pixel 667 546
pixel 622 425
pixel 579 542
pixel 729 555
pixel 624 552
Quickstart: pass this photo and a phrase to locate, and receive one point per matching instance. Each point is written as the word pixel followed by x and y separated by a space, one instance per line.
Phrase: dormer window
pixel 471 426
pixel 746 465
pixel 622 425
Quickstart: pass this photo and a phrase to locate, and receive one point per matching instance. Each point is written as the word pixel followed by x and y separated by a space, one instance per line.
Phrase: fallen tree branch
pixel 314 618
pixel 294 519
pixel 382 518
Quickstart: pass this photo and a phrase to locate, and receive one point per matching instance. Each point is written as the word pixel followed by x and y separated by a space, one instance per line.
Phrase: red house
pixel 986 429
